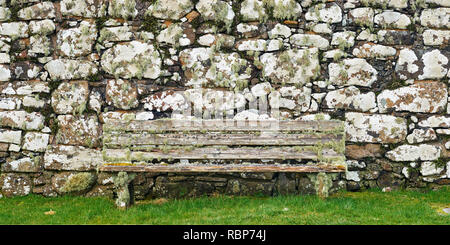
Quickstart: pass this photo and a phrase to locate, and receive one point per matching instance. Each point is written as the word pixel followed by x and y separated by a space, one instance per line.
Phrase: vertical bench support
pixel 121 184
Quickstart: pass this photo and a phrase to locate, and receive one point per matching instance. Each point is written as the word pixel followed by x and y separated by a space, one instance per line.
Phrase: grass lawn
pixel 369 207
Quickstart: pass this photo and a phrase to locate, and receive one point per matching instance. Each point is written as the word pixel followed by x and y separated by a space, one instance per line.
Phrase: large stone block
pixel 431 65
pixel 78 41
pixel 421 152
pixel 22 120
pixel 70 97
pixel 203 66
pixel 132 59
pixel 78 130
pixel 374 128
pixel 170 9
pixel 291 66
pixel 425 97
pixel 15 184
pixel 74 158
pixel 354 71
pixel 65 69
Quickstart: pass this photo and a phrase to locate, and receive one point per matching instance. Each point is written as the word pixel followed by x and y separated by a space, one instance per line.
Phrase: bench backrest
pixel 171 139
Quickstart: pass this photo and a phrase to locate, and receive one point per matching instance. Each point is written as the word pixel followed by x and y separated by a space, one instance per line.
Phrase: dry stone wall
pixel 66 67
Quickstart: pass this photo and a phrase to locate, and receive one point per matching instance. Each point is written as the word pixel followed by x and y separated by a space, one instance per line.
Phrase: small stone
pixel 289 67
pixel 122 94
pixel 436 37
pixel 430 168
pixel 72 158
pixel 392 19
pixel 376 51
pixel 43 10
pixel 10 136
pixel 65 69
pixel 22 120
pixel 421 135
pixel 354 71
pixel 15 184
pixel 33 141
pixel 324 13
pixel 435 18
pixel 363 151
pixel 70 97
pixel 125 9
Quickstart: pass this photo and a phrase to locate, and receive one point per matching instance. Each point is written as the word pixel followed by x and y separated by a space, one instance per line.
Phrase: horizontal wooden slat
pixel 223 168
pixel 213 153
pixel 164 125
pixel 142 139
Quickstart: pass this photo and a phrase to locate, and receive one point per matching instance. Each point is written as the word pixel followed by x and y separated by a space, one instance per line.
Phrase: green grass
pixel 370 207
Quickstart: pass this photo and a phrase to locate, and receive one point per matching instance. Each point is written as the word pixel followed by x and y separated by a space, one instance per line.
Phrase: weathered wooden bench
pixel 169 145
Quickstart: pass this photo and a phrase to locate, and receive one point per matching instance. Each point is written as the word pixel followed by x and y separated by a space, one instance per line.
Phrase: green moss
pixel 78 182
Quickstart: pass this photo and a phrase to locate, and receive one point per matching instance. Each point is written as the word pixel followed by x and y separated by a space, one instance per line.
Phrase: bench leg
pixel 322 183
pixel 121 184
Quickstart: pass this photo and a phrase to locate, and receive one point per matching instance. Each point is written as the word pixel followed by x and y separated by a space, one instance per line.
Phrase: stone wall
pixel 68 66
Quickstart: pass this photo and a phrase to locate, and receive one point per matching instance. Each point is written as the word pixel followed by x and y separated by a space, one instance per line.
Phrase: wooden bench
pixel 169 145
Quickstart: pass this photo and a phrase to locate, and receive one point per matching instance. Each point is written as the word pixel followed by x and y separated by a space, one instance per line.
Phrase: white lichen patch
pixel 350 98
pixel 43 27
pixel 392 19
pixel 216 10
pixel 430 168
pixel 252 10
pixel 82 8
pixel 163 101
pixel 280 30
pixel 362 16
pixel 14 29
pixel 436 122
pixel 344 39
pixel 78 130
pixel 435 65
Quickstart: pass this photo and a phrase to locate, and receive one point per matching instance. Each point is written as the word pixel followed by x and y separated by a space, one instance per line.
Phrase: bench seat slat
pixel 212 153
pixel 136 139
pixel 220 125
pixel 223 168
